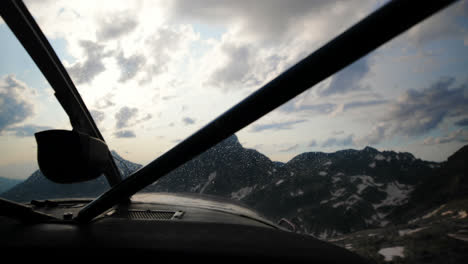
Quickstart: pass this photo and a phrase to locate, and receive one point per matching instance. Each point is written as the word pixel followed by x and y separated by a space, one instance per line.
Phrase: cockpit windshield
pixel 351 160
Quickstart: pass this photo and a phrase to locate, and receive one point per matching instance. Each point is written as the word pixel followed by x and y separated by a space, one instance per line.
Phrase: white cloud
pixel 15 101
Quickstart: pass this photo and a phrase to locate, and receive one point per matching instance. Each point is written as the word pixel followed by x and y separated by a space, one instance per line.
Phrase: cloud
pixel 443 25
pixel 27 130
pixel 276 126
pixel 236 73
pixel 459 135
pixel 97 115
pixel 463 122
pixel 164 47
pixel 145 118
pixel 295 106
pixel 338 142
pixel 356 104
pixel 188 120
pixel 85 72
pixel 15 106
pixel 105 101
pixel 267 20
pixel 124 116
pixel 377 134
pixel 349 79
pixel 129 66
pixel 289 148
pixel 313 143
pixel 359 104
pixel 419 111
pixel 125 134
pixel 115 25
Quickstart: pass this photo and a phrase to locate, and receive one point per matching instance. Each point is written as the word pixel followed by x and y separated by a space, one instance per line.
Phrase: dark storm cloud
pixel 237 72
pixel 14 107
pixel 276 126
pixel 129 66
pixel 86 71
pixel 268 18
pixel 359 104
pixel 188 120
pixel 349 79
pixel 125 134
pixel 27 130
pixel 116 25
pixel 463 122
pixel 419 111
pixel 338 142
pixel 124 116
pixel 455 136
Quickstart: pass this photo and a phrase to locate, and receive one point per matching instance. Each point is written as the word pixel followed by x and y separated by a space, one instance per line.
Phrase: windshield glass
pixel 27 106
pixel 369 159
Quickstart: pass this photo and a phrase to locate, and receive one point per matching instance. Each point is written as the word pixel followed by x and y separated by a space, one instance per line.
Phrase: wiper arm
pixel 22 212
pixel 25 28
pixel 376 29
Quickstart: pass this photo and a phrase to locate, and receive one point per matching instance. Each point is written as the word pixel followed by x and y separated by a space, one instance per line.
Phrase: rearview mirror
pixel 70 156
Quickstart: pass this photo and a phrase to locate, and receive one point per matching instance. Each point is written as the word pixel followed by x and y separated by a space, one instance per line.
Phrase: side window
pixel 27 105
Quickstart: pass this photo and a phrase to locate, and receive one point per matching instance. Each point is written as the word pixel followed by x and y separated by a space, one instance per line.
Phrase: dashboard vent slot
pixel 149 214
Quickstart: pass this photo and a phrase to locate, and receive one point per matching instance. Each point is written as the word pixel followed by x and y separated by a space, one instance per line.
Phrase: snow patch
pixel 405 232
pixel 323 173
pixel 335 179
pixel 389 159
pixel 337 193
pixel 211 177
pixel 461 237
pixel 279 182
pixel 431 214
pixel 397 194
pixel 243 192
pixel 323 201
pixel 291 174
pixel 372 165
pixel 297 193
pixel 379 157
pixel 462 214
pixel 391 252
pixel 328 163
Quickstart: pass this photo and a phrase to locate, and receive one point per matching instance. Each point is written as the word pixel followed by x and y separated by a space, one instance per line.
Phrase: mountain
pixel 323 194
pixel 227 170
pixel 7 183
pixel 376 203
pixel 326 194
pixel 38 187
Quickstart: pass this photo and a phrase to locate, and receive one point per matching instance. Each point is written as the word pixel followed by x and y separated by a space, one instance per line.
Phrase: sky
pixel 154 72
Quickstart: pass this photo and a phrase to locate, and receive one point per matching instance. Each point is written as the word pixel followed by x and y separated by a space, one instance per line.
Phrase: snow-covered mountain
pixel 323 194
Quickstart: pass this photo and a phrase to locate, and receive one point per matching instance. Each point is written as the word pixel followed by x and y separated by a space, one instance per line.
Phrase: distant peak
pixel 231 141
pixel 370 149
pixel 115 154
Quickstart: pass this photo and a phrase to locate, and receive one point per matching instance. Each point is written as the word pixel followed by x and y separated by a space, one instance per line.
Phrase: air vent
pixel 149 214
